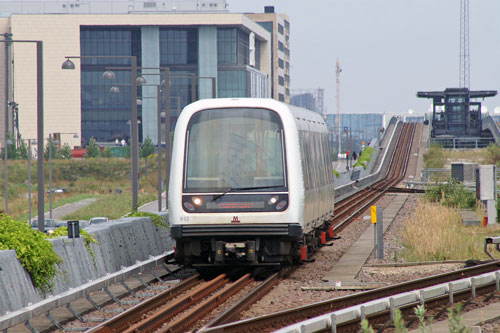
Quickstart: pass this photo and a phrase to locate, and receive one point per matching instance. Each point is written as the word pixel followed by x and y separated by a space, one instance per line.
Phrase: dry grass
pixel 465 155
pixel 436 232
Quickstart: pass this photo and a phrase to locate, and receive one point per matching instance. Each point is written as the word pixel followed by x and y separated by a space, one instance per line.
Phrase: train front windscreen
pixel 234 148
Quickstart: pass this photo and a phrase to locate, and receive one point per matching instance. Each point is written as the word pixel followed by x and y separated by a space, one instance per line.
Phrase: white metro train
pixel 251 183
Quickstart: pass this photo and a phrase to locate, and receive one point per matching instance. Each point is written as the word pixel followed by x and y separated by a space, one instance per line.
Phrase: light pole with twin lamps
pixel 134 153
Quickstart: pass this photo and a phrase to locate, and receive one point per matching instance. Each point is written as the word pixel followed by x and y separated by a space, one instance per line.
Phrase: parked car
pixel 98 220
pixel 49 225
pixel 82 224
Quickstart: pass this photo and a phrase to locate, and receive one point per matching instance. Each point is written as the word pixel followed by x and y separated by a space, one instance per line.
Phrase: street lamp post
pixel 7 143
pixel 29 177
pixel 134 153
pixel 39 95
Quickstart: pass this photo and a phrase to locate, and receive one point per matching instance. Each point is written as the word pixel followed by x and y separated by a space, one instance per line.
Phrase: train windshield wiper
pixel 236 189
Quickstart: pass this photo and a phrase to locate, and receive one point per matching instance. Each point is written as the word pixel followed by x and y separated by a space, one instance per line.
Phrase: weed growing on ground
pixel 435 232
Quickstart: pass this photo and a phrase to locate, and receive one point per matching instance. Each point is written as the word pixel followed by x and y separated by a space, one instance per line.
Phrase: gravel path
pixel 59 212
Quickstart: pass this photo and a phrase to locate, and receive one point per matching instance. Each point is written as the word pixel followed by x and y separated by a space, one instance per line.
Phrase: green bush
pixel 35 253
pixel 492 154
pixel 92 149
pixel 435 157
pixel 451 194
pixel 157 219
pixel 365 157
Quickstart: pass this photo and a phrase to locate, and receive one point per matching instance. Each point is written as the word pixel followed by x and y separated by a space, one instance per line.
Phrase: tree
pixel 23 151
pixel 66 152
pixel 92 149
pixel 55 149
pixel 147 148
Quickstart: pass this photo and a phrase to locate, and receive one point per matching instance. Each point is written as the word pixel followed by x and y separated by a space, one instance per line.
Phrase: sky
pixel 387 49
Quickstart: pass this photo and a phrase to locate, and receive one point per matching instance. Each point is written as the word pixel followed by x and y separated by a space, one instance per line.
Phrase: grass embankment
pixel 435 231
pixel 86 178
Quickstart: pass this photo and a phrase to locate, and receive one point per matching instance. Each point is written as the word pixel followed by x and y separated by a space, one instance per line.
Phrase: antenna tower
pixel 464 44
pixel 337 119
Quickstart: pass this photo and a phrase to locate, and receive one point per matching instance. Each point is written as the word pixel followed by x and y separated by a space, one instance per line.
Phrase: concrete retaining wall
pixel 120 243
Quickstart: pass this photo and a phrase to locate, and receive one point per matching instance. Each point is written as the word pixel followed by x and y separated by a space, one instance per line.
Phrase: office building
pixel 279 27
pixel 193 38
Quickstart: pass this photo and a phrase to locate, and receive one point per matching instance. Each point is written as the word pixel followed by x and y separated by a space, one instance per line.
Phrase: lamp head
pixel 108 75
pixel 68 64
pixel 114 90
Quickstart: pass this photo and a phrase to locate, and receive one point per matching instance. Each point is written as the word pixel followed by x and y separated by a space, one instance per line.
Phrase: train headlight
pixel 281 205
pixel 197 201
pixel 189 206
pixel 273 200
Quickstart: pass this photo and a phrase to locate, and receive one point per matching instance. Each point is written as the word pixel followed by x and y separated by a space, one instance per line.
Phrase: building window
pixel 287 25
pixel 281 80
pixel 281 47
pixel 287 65
pixel 97 41
pixel 281 98
pixel 280 29
pixel 232 47
pixel 232 83
pixel 281 63
pixel 178 47
pixel 104 114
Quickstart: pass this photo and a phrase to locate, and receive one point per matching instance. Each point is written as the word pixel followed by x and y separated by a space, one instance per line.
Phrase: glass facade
pixel 106 115
pixel 362 127
pixel 232 83
pixel 178 47
pixel 232 46
pixel 179 52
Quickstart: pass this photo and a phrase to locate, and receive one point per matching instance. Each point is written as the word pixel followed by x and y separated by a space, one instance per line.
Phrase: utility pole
pixel 337 119
pixel 464 69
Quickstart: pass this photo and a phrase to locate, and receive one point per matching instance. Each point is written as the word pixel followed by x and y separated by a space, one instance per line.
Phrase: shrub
pixel 65 152
pixel 492 154
pixel 33 250
pixel 451 194
pixel 92 149
pixel 435 157
pixel 147 148
pixel 157 219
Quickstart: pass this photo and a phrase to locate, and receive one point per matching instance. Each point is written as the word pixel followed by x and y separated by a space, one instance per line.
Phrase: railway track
pixel 191 300
pixel 181 307
pixel 161 320
pixel 351 207
pixel 282 319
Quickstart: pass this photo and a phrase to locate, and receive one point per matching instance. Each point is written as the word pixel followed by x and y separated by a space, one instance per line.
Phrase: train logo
pixel 235 219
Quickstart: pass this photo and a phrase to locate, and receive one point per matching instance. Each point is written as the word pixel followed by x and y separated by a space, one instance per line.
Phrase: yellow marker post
pixel 373 213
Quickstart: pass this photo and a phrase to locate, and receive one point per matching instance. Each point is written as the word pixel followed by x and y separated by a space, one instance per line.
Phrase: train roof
pixel 305 119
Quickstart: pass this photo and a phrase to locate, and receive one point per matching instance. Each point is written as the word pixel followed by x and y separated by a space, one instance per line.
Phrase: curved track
pixel 352 206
